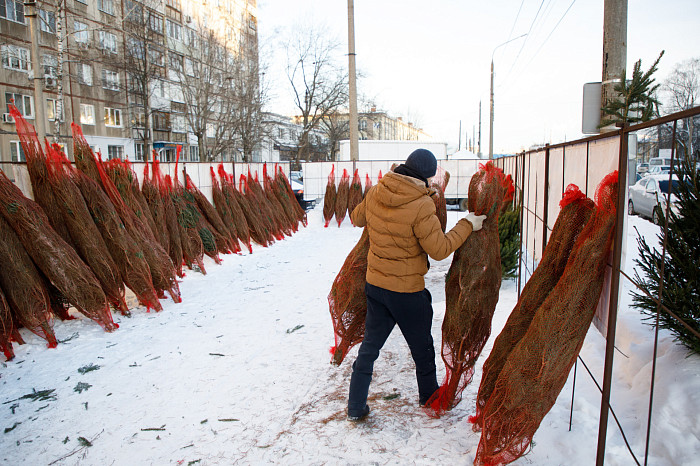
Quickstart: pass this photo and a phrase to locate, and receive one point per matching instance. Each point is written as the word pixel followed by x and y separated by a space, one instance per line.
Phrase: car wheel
pixel 630 208
pixel 657 216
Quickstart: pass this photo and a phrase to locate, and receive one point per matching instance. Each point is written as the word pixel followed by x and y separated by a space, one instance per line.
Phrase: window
pixel 12 10
pixel 85 74
pixel 363 125
pixel 189 37
pixel 106 6
pixel 113 117
pixel 210 131
pixel 107 41
pixel 52 110
pixel 135 48
pixel 81 34
pixel 139 151
pixel 176 61
pixel 47 21
pixel 194 153
pixel 115 152
pixel 173 30
pixel 161 121
pixel 179 125
pixel 134 11
pixel 50 63
pixel 138 119
pixel 191 68
pixel 110 80
pixel 16 152
pixel 87 114
pixel 156 56
pixel 155 22
pixel 174 4
pixel 15 58
pixel 24 103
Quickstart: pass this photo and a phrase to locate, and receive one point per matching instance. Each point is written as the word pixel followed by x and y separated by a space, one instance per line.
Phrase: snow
pixel 239 373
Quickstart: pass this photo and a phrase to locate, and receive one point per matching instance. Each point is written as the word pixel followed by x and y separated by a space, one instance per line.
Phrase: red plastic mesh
pixel 575 212
pixel 537 368
pixel 224 206
pixel 260 230
pixel 7 328
pixel 27 297
pixel 276 197
pixel 175 247
pixel 439 183
pixel 285 191
pixel 213 217
pixel 232 197
pixel 57 260
pixel 156 206
pixel 329 198
pixel 471 288
pixel 341 198
pixel 347 301
pixel 368 184
pixel 86 237
pixel 355 196
pixel 270 215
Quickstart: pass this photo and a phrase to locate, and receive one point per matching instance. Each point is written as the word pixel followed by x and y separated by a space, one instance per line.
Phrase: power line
pixel 552 32
pixel 525 41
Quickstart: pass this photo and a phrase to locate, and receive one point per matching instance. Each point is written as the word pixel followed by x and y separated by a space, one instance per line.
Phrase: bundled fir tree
pixel 509 234
pixel 681 264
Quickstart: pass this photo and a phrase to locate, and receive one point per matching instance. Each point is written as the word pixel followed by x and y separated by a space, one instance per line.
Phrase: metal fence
pixel 541 176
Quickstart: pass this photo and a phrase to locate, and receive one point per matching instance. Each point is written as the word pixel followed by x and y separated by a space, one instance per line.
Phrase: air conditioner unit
pixel 49 81
pixel 7 118
pixel 188 19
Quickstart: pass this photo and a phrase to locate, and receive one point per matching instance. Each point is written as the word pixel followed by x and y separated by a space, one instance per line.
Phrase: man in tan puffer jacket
pixel 403 231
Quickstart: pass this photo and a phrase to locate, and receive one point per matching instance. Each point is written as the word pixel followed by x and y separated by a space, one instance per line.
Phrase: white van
pixel 659 161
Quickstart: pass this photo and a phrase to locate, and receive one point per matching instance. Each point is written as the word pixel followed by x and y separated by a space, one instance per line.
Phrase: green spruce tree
pixel 681 264
pixel 636 101
pixel 509 234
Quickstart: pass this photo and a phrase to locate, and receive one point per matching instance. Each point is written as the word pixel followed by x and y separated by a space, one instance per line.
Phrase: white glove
pixel 475 220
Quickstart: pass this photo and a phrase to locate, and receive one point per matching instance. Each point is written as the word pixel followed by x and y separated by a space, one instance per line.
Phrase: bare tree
pixel 336 127
pixel 319 83
pixel 683 90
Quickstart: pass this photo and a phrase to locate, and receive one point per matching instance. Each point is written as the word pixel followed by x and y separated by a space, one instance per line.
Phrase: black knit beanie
pixel 423 162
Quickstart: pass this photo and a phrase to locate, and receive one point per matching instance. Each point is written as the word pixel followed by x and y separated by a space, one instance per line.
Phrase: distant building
pixel 281 143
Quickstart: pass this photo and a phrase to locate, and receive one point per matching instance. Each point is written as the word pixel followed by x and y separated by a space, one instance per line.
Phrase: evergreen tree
pixel 681 293
pixel 509 234
pixel 636 100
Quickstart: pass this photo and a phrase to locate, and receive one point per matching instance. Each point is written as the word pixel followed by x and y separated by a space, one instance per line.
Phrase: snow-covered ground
pixel 239 373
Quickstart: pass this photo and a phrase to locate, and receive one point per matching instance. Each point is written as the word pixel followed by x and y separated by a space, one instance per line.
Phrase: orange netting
pixel 342 197
pixel 576 209
pixel 355 196
pixel 471 287
pixel 56 259
pixel 27 297
pixel 538 367
pixel 347 301
pixel 329 198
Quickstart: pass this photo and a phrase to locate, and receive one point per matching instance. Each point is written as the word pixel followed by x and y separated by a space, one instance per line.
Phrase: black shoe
pixel 356 417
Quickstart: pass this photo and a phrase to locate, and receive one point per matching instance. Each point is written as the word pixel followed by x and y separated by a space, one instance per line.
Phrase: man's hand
pixel 475 220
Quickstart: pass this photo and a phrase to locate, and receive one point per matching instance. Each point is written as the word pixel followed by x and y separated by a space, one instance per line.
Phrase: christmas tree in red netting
pixel 7 328
pixel 471 287
pixel 258 197
pixel 163 273
pixel 439 183
pixel 341 198
pixel 368 184
pixel 212 216
pixel 56 259
pixel 234 200
pixel 261 230
pixel 228 208
pixel 191 241
pixel 151 194
pixel 24 289
pixel 285 192
pixel 86 237
pixel 537 368
pixel 277 198
pixel 347 301
pixel 355 196
pixel 170 224
pixel 329 198
pixel 576 209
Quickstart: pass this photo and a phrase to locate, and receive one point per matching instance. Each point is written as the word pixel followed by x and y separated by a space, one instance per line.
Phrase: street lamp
pixel 491 118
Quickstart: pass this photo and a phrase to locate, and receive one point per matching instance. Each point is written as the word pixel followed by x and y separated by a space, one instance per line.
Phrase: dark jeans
pixel 413 313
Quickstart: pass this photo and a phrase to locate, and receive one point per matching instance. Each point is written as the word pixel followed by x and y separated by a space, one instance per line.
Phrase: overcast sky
pixel 429 61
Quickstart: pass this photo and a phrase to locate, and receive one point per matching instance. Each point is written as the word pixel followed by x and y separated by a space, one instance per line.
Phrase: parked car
pixel 297 181
pixel 658 170
pixel 642 167
pixel 647 197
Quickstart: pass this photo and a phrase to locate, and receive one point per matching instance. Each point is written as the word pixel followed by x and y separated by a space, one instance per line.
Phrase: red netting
pixel 126 252
pixel 276 197
pixel 347 301
pixel 213 217
pixel 192 246
pixel 53 256
pixel 212 241
pixel 232 196
pixel 86 237
pixel 287 194
pixel 572 218
pixel 471 288
pixel 22 285
pixel 173 229
pixel 238 226
pixel 154 201
pixel 329 198
pixel 260 231
pixel 368 184
pixel 355 196
pixel 7 328
pixel 84 158
pixel 267 211
pixel 439 183
pixel 537 368
pixel 341 198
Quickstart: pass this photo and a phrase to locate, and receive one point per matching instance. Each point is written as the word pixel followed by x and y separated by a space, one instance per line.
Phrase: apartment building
pixel 120 114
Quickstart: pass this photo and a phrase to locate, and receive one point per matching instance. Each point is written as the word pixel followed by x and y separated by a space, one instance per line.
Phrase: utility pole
pixel 354 149
pixel 459 144
pixel 614 50
pixel 491 118
pixel 479 153
pixel 31 12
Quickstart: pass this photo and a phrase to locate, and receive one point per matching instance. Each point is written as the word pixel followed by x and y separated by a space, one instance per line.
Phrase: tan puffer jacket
pixel 403 227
